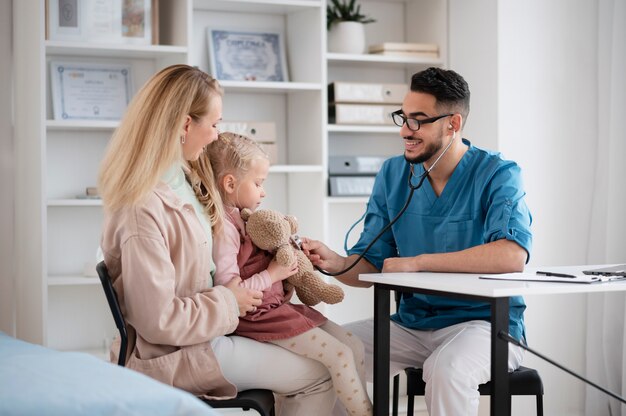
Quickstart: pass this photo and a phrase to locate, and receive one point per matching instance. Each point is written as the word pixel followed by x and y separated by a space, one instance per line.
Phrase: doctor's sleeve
pixel 507 215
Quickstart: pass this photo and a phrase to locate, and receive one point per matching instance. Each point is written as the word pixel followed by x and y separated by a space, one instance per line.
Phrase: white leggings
pixel 342 353
pixel 455 360
pixel 303 385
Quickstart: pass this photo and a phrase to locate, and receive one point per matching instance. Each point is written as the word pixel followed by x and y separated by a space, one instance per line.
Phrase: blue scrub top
pixel 483 201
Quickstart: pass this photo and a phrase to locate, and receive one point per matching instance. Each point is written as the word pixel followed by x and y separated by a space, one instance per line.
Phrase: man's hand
pixel 247 299
pixel 401 264
pixel 326 259
pixel 322 256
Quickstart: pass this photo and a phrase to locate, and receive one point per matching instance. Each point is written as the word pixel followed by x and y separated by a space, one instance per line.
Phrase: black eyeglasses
pixel 412 123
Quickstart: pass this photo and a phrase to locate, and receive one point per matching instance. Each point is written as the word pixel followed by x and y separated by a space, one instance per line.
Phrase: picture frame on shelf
pixel 88 91
pixel 103 21
pixel 237 55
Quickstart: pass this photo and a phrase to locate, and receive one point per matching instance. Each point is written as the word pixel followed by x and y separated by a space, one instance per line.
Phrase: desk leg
pixel 381 351
pixel 500 397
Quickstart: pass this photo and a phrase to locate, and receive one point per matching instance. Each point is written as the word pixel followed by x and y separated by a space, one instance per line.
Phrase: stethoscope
pixel 412 188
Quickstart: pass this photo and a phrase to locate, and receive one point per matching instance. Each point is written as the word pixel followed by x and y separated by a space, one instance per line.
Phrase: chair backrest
pixel 114 305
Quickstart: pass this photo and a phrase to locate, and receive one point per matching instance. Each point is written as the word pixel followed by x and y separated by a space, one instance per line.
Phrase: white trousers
pixel 455 360
pixel 303 386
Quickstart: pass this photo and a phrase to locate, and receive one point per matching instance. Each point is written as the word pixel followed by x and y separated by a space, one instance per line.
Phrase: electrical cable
pixel 506 337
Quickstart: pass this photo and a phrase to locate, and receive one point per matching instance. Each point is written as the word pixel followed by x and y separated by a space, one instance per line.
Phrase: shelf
pixel 257 6
pixel 75 202
pixel 380 60
pixel 81 49
pixel 296 168
pixel 84 125
pixel 72 280
pixel 263 87
pixel 341 128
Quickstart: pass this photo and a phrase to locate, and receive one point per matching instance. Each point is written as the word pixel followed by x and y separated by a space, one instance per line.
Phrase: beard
pixel 429 152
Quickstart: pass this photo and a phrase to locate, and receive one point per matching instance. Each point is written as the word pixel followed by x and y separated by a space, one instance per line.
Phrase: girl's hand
pixel 278 272
pixel 247 299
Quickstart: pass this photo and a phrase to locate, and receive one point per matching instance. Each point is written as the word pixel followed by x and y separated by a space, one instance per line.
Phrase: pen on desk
pixel 571 276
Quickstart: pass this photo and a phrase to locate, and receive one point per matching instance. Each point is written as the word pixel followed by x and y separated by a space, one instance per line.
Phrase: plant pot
pixel 346 37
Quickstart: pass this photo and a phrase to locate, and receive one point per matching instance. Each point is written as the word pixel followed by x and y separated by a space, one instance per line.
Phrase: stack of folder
pixel 364 103
pixel 422 50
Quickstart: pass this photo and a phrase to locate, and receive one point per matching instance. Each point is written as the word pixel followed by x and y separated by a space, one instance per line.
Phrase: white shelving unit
pixel 420 21
pixel 58 234
pixel 297 107
pixel 59 304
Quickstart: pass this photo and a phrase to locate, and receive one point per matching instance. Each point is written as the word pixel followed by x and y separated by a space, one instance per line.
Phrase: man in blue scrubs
pixel 468 216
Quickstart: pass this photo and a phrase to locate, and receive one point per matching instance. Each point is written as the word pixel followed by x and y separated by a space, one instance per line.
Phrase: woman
pixel 157 245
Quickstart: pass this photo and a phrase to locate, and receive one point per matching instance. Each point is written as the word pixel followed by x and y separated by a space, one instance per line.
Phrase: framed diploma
pixel 87 91
pixel 106 21
pixel 250 56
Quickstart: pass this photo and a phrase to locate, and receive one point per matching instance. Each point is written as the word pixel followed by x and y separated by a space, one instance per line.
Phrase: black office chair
pixel 522 382
pixel 258 399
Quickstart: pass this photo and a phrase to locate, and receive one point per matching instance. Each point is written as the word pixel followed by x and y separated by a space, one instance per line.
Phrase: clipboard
pixel 549 277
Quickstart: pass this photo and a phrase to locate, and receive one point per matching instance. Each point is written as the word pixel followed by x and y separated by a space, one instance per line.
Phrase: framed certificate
pixel 250 56
pixel 87 91
pixel 107 21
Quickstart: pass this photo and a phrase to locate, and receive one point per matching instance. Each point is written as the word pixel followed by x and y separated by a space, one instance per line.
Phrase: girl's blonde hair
pixel 231 154
pixel 147 141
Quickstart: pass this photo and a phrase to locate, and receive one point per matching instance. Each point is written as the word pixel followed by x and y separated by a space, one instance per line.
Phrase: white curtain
pixel 606 313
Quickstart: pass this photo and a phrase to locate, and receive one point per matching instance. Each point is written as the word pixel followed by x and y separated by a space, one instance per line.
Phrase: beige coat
pixel 158 256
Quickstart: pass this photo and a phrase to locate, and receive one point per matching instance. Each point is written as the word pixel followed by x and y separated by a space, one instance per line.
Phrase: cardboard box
pixel 351 92
pixel 272 151
pixel 263 132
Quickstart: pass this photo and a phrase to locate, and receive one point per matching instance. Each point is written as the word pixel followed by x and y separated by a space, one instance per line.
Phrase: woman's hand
pixel 278 272
pixel 247 299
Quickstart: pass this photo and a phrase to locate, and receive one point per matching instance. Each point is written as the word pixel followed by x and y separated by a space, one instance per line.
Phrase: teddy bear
pixel 275 232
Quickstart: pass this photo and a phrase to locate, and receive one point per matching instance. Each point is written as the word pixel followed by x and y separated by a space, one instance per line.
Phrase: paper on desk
pixel 533 277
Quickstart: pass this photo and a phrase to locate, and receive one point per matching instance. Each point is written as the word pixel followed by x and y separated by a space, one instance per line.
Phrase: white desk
pixel 466 286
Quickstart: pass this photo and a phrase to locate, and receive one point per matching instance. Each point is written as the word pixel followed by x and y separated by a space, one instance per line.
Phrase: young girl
pixel 240 167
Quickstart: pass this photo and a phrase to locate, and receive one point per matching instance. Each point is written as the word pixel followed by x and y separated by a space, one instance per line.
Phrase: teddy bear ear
pixel 245 214
pixel 293 223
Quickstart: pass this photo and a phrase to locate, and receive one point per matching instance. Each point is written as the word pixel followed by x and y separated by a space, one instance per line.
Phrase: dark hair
pixel 448 87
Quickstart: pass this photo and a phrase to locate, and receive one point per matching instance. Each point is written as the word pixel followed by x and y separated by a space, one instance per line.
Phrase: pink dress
pixel 276 318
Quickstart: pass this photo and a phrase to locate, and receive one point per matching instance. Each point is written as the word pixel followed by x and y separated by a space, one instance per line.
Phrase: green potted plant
pixel 344 22
pixel 342 11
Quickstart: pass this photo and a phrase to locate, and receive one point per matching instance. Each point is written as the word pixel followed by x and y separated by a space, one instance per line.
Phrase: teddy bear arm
pixel 285 256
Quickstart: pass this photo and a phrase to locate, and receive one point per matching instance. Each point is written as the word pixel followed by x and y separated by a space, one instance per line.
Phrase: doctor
pixel 468 215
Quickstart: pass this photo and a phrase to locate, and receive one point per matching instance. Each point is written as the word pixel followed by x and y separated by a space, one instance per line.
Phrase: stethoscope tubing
pixel 412 188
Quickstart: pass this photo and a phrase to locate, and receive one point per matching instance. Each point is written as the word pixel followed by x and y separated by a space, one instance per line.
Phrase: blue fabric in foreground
pixel 35 380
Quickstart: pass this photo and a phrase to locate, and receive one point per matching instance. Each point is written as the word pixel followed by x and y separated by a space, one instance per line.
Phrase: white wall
pixel 7 310
pixel 531 67
pixel 547 77
pixel 473 54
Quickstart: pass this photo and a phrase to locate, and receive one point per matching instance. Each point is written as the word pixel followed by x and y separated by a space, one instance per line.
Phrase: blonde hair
pixel 147 141
pixel 230 154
